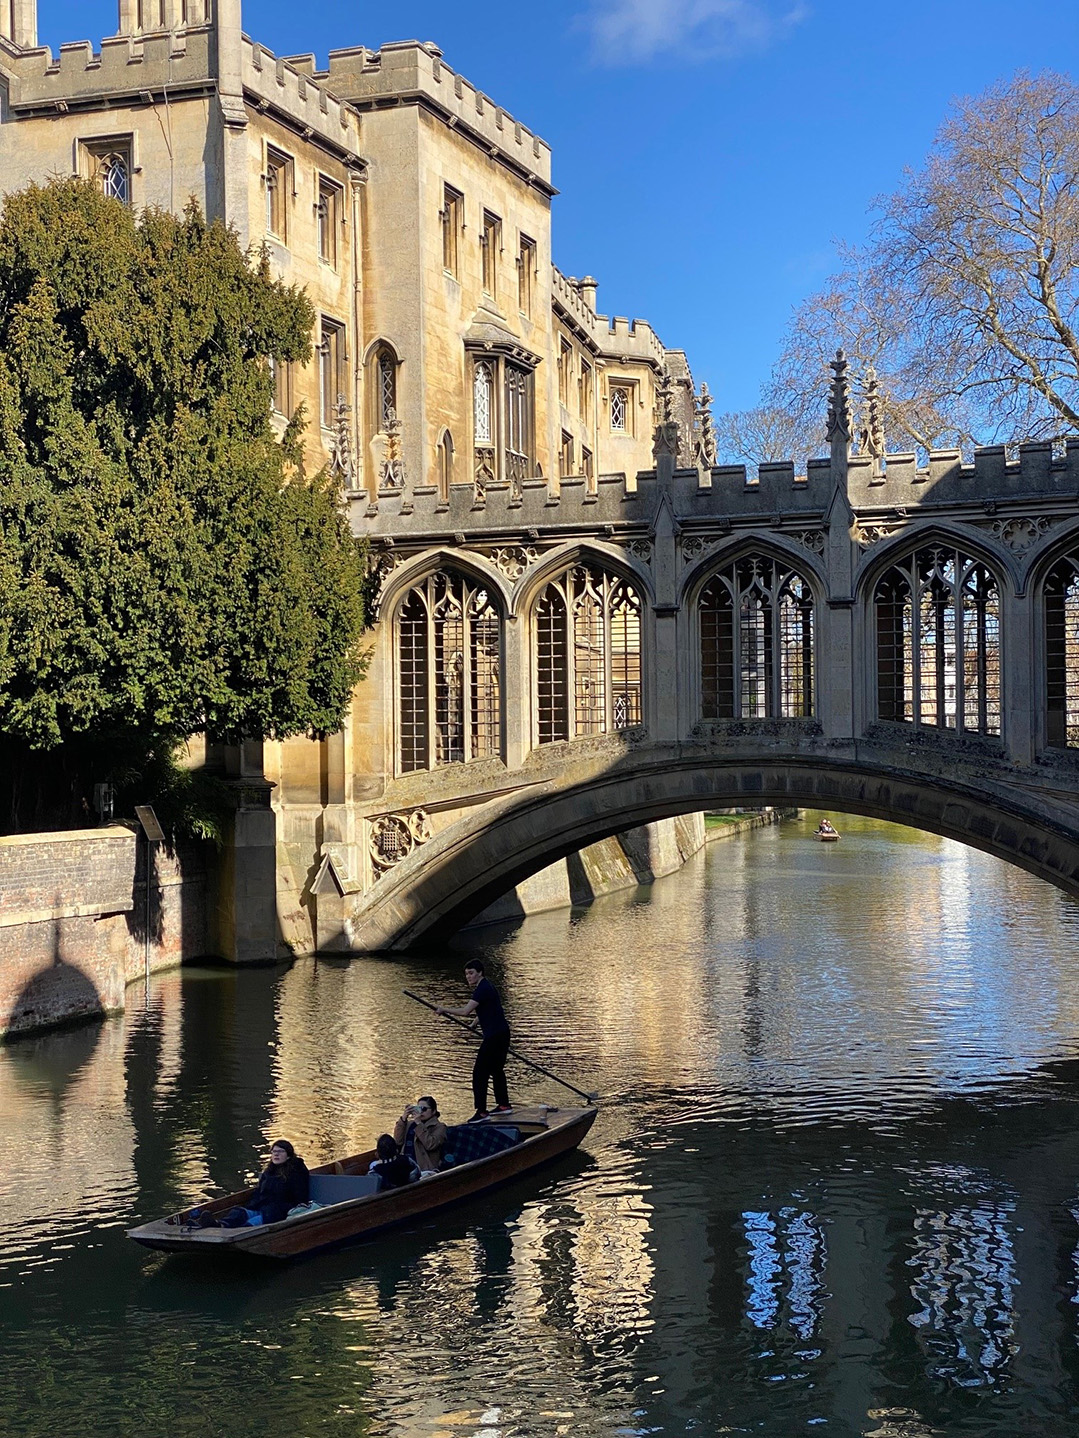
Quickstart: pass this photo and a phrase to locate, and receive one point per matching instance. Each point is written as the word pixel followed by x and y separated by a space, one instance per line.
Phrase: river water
pixel 833 1187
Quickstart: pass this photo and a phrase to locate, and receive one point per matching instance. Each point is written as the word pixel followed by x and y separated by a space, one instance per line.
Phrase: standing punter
pixel 491 1059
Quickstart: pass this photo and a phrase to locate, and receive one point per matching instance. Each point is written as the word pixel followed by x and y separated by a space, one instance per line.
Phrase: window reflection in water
pixel 787 1257
pixel 965 1285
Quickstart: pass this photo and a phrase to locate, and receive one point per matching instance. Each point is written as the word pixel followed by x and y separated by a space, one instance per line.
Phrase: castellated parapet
pixel 144 66
pixel 124 67
pixel 409 70
pixel 619 338
pixel 1043 476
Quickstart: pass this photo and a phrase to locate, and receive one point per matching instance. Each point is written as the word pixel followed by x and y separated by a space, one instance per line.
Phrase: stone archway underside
pixel 449 880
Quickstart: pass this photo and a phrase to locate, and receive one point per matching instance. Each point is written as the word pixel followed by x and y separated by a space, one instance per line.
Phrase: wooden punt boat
pixel 832 838
pixel 543 1134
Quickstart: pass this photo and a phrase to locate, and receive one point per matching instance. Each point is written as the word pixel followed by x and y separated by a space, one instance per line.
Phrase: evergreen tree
pixel 166 568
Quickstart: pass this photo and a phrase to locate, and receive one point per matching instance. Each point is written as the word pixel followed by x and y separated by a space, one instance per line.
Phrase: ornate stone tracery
pixel 1020 533
pixel 392 837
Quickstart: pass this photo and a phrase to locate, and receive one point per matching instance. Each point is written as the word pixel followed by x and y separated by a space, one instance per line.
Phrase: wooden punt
pixel 546 1134
pixel 832 838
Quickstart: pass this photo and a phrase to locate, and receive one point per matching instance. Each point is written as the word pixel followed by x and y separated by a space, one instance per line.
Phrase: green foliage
pixel 166 567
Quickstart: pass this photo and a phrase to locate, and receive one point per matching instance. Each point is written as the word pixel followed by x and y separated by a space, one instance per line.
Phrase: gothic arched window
pixel 756 635
pixel 386 381
pixel 444 465
pixel 937 616
pixel 449 648
pixel 1062 653
pixel 588 655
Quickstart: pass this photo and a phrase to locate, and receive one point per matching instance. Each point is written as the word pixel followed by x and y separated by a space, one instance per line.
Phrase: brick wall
pixel 73 921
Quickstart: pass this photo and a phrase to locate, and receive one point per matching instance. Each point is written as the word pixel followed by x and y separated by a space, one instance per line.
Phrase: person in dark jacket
pixel 485 1006
pixel 284 1183
pixel 391 1165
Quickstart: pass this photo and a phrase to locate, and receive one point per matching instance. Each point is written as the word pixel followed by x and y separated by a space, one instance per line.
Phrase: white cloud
pixel 627 32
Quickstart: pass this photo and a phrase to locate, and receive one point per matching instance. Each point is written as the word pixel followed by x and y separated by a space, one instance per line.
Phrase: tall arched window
pixel 385 377
pixel 588 655
pixel 449 654
pixel 938 642
pixel 444 465
pixel 1062 653
pixel 756 633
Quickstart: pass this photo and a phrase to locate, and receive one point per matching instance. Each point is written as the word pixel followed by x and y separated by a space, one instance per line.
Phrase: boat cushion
pixel 339 1187
pixel 469 1141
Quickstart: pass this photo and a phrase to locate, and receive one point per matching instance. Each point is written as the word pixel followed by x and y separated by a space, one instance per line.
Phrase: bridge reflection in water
pixel 835 1181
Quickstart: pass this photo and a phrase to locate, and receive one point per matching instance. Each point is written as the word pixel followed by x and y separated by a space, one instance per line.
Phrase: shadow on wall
pixel 57 995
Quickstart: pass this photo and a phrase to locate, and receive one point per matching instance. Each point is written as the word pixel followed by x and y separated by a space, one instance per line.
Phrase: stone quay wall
pixel 73 921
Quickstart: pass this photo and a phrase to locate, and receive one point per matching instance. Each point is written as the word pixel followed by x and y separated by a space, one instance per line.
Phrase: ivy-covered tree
pixel 166 567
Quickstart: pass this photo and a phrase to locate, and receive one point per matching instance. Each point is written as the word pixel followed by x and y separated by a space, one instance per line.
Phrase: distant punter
pixel 486 1005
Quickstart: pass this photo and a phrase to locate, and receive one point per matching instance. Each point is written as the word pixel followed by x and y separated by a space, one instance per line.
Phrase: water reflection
pixel 833 1182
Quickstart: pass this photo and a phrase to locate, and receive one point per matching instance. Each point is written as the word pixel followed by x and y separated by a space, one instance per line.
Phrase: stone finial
pixel 840 425
pixel 391 472
pixel 667 435
pixel 871 438
pixel 706 455
pixel 341 463
pixel 665 399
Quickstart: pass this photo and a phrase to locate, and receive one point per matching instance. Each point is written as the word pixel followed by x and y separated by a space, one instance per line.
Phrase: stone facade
pixel 75 929
pixel 454 365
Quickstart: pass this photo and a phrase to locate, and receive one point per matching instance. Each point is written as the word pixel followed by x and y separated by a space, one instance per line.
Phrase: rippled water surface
pixel 833 1187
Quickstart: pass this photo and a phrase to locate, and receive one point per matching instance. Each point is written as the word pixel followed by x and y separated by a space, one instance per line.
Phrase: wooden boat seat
pixel 327 1188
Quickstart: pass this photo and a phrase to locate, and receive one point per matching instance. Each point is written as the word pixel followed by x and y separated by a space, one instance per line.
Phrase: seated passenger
pixel 394 1169
pixel 428 1134
pixel 284 1183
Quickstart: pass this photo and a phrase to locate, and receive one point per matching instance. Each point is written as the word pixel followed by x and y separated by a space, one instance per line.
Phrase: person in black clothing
pixel 284 1183
pixel 490 1064
pixel 392 1166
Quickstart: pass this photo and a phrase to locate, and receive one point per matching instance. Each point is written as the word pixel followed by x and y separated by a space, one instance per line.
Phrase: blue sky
pixel 708 152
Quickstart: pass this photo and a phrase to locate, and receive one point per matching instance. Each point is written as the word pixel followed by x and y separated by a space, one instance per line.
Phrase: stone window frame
pixel 565 369
pixel 527 273
pixel 445 452
pixel 975 693
pixel 445 716
pixel 512 399
pixel 566 455
pixel 332 356
pixel 329 218
pixel 763 593
pixel 92 150
pixel 609 698
pixel 279 187
pixel 452 221
pixel 490 252
pixel 281 381
pixel 628 387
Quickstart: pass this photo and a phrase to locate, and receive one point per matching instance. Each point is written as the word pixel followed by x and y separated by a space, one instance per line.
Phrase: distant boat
pixel 827 836
pixel 351 1204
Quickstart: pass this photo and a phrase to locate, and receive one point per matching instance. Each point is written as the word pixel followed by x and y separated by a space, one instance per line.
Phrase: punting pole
pixel 461 1023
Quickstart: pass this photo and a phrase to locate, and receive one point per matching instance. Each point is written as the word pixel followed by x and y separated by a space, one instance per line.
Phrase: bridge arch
pixel 461 870
pixel 406 576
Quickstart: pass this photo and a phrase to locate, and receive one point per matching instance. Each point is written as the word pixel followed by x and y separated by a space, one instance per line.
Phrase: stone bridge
pixel 557 662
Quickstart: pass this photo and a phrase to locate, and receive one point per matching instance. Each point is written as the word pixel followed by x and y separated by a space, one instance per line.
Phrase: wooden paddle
pixel 462 1023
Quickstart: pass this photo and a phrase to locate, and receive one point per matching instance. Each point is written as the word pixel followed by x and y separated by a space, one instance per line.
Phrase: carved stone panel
pixel 392 837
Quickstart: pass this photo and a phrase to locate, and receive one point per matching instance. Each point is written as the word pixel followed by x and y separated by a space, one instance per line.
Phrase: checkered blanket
pixel 468 1141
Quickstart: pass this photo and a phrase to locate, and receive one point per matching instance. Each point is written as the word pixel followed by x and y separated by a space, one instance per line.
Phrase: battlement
pixel 292 87
pixel 411 69
pixel 81 76
pixel 1039 469
pixel 729 494
pixel 617 339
